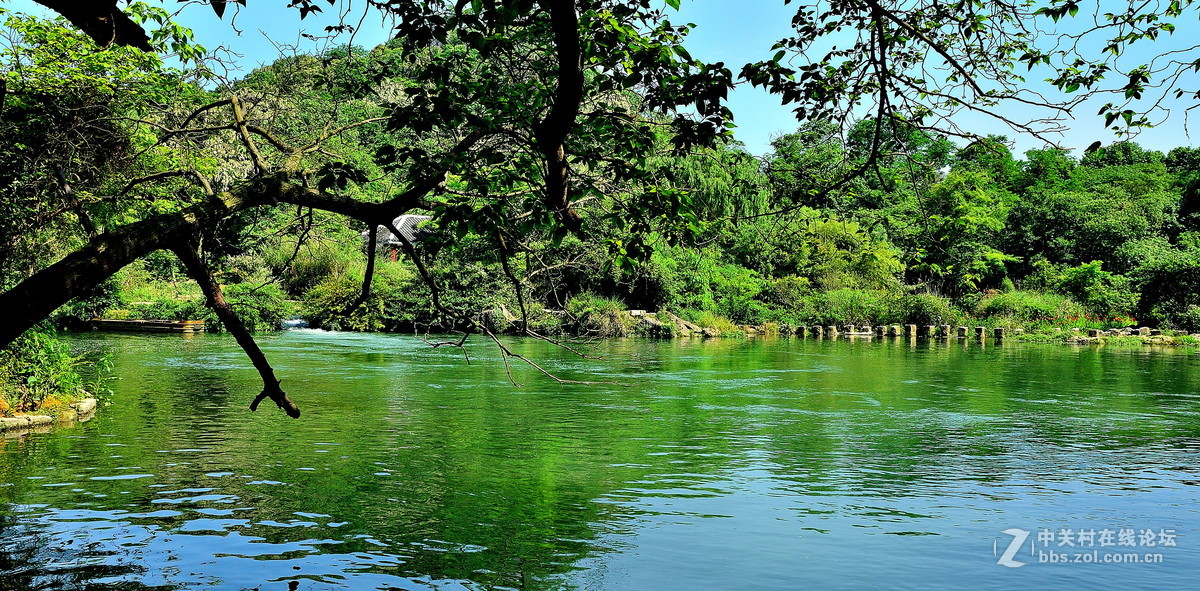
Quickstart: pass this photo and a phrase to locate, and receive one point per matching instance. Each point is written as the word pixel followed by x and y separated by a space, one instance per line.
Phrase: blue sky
pixel 735 32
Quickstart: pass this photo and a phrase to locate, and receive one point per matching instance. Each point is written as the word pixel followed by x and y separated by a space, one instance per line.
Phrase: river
pixel 726 464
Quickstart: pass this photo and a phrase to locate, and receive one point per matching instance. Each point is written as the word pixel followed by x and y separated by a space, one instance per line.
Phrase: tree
pixel 510 116
pixel 964 218
pixel 514 114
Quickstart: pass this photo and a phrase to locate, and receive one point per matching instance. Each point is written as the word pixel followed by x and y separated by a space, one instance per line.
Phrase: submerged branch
pixel 190 257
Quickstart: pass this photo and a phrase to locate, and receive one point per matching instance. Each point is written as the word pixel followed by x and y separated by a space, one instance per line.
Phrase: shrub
pixel 312 264
pixel 598 316
pixel 924 309
pixel 260 307
pixel 1103 293
pixel 37 369
pixel 698 280
pixel 709 319
pixel 191 309
pixel 1169 277
pixel 852 306
pixel 1031 307
pixel 395 302
pixel 1188 319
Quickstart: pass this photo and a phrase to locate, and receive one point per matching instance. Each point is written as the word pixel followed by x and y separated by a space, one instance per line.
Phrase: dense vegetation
pixel 576 161
pixel 936 233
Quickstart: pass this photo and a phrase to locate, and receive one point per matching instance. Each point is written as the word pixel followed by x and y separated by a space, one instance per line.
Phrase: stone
pixel 998 333
pixel 24 422
pixel 962 332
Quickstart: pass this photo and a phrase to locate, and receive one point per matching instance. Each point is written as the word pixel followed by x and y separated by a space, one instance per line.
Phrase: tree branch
pixel 190 256
pixel 368 274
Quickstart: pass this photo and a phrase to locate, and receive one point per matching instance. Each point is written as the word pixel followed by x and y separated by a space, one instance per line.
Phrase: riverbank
pixel 81 411
pixel 668 325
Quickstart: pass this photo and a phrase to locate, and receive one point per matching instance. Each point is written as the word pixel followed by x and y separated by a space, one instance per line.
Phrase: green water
pixel 769 464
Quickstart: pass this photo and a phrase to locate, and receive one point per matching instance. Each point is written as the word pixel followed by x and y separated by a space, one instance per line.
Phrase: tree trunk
pixel 81 271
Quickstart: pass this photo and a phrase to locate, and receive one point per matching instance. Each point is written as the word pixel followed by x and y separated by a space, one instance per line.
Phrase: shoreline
pixel 76 412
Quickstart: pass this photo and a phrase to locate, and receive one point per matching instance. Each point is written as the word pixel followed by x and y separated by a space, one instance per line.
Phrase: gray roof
pixel 410 226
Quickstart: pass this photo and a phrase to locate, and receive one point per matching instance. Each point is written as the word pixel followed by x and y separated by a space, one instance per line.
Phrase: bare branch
pixel 190 256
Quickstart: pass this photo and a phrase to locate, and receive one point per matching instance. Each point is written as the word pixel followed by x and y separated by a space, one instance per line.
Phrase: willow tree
pixel 531 107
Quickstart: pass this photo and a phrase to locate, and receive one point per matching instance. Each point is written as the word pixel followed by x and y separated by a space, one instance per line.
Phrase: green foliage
pixel 851 306
pixel 841 254
pixel 1121 154
pixel 193 309
pixel 673 207
pixel 990 156
pixel 1102 292
pixel 1169 278
pixel 599 316
pixel 925 309
pixel 301 267
pixel 1182 160
pixel 38 373
pixel 394 304
pixel 1048 169
pixel 804 162
pixel 700 280
pixel 964 218
pixel 1030 308
pixel 710 319
pixel 260 307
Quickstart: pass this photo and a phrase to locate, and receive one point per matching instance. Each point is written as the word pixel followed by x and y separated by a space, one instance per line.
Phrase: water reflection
pixel 729 464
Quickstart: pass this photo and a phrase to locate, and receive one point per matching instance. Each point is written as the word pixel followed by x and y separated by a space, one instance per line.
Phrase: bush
pixel 38 373
pixel 77 313
pixel 395 302
pixel 598 316
pixel 925 309
pixel 852 306
pixel 1103 293
pixel 192 309
pixel 1169 277
pixel 1031 307
pixel 699 280
pixel 312 264
pixel 709 319
pixel 1187 320
pixel 260 307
